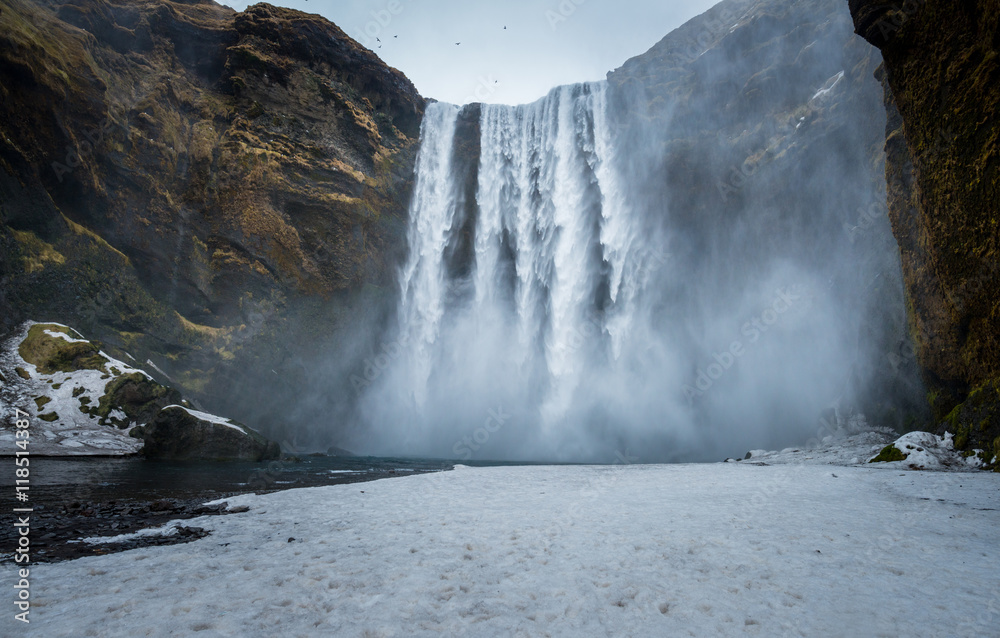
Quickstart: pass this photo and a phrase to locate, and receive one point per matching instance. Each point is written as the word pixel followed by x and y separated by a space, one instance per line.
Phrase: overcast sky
pixel 546 42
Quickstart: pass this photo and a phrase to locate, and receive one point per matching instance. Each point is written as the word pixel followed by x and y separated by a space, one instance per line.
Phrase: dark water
pixel 55 480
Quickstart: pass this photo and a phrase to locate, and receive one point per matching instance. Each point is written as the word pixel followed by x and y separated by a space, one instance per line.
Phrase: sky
pixel 546 43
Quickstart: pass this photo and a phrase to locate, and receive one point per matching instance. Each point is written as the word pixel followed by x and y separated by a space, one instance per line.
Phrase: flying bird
pixel 395 36
pixel 457 43
pixel 377 40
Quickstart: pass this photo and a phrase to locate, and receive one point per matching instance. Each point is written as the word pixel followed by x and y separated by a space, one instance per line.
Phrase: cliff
pixel 210 191
pixel 758 130
pixel 940 76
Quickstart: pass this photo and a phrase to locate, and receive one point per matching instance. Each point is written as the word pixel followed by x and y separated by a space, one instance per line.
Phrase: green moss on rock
pixel 139 397
pixel 889 454
pixel 54 354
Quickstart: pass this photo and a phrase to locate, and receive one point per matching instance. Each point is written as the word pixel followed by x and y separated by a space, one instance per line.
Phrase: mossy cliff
pixel 941 74
pixel 210 190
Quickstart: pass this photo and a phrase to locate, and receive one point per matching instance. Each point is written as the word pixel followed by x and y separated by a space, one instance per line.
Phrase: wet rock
pixel 176 433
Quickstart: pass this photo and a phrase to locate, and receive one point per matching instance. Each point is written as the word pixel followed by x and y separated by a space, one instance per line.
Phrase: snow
pixel 725 549
pixel 63 335
pixel 828 87
pixel 75 432
pixel 211 418
pixel 166 530
pixel 926 451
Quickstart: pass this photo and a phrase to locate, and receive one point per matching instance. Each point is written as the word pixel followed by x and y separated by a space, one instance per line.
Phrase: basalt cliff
pixel 940 76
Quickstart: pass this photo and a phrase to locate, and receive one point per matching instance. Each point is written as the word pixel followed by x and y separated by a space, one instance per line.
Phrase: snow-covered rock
pixel 925 451
pixel 82 401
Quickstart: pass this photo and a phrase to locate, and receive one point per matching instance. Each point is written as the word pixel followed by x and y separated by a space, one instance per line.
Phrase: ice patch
pixel 168 529
pixel 211 418
pixel 830 84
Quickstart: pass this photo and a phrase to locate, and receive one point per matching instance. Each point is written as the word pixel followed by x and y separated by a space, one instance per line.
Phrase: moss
pixel 36 253
pixel 53 354
pixel 56 386
pixel 135 395
pixel 41 401
pixel 21 372
pixel 889 454
pixel 77 392
pixel 49 418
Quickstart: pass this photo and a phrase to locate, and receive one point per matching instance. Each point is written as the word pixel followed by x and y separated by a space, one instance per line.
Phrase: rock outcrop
pixel 179 433
pixel 940 77
pixel 78 400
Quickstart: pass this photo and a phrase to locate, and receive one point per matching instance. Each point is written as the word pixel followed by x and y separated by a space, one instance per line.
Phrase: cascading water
pixel 545 320
pixel 550 295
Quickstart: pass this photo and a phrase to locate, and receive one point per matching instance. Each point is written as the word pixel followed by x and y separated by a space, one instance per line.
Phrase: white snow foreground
pixel 727 549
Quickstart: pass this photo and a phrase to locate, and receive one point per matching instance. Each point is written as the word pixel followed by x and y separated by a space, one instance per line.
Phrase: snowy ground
pixel 726 549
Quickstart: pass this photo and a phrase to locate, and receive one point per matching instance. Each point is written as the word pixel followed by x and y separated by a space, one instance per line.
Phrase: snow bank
pixel 727 549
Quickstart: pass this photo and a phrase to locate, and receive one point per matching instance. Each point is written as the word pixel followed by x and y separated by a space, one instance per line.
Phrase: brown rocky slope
pixel 208 190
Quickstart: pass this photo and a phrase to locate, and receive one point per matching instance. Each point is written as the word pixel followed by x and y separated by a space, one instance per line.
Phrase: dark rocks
pixel 138 396
pixel 177 434
pixel 215 221
pixel 939 75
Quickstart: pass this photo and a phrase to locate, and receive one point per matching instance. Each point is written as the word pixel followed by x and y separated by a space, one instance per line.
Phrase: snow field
pixel 724 549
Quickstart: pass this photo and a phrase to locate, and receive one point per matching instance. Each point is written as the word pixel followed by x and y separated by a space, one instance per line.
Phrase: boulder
pixel 177 433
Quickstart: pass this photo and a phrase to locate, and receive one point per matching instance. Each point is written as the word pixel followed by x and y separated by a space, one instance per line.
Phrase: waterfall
pixel 554 274
pixel 543 314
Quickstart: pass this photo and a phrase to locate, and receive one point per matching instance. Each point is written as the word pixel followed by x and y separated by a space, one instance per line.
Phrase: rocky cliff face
pixel 208 190
pixel 758 127
pixel 940 76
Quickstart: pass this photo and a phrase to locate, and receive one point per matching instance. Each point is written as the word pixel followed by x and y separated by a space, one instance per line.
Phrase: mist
pixel 670 265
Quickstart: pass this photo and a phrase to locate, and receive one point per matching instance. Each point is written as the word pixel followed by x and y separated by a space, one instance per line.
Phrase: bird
pixel 377 40
pixel 505 27
pixel 457 43
pixel 395 36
